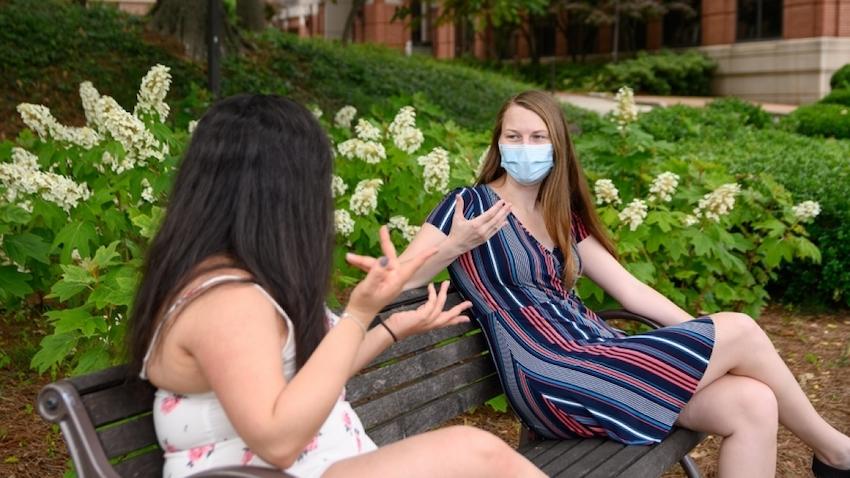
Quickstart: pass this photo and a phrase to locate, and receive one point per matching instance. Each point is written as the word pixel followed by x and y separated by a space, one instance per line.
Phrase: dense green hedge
pixel 841 78
pixel 361 75
pixel 663 73
pixel 838 97
pixel 820 119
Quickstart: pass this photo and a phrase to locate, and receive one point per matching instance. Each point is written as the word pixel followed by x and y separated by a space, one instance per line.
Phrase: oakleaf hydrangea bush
pixel 707 239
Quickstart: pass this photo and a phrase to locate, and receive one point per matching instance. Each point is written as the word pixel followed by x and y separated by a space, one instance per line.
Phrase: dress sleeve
pixel 441 216
pixel 579 230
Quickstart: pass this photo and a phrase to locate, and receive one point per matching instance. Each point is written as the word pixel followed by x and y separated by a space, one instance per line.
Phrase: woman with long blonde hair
pixel 516 242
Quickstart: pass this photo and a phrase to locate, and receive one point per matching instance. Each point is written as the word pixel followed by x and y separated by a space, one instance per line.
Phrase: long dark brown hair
pixel 254 187
pixel 564 191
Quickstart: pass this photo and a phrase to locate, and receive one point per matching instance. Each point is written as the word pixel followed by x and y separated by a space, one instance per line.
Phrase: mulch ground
pixel 816 347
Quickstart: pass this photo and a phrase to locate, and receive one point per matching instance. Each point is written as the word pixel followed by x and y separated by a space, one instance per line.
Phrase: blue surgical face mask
pixel 527 163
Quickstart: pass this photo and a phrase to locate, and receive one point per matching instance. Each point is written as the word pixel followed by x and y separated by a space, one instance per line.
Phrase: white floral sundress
pixel 196 434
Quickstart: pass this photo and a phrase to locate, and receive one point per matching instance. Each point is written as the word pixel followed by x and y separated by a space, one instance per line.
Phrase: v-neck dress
pixel 566 372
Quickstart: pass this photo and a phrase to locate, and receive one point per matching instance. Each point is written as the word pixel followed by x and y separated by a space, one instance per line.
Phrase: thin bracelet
pixel 395 339
pixel 346 315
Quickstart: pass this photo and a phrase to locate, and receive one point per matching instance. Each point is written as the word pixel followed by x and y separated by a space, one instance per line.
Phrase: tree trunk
pixel 251 14
pixel 186 20
pixel 348 30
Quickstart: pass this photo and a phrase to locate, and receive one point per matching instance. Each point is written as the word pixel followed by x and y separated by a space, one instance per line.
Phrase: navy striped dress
pixel 566 373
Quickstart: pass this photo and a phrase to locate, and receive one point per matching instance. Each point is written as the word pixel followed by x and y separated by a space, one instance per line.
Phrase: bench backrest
pixel 413 386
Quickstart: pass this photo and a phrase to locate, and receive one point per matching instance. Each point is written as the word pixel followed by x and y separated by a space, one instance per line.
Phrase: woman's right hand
pixel 467 234
pixel 384 279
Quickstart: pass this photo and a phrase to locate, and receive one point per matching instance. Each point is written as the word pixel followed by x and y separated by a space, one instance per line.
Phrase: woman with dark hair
pixel 230 323
pixel 515 244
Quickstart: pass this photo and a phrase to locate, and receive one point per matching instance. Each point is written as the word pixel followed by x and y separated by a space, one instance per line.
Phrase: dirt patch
pixel 816 348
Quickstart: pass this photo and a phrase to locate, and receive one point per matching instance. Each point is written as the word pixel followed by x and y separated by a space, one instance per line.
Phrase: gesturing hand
pixel 429 315
pixel 384 279
pixel 469 234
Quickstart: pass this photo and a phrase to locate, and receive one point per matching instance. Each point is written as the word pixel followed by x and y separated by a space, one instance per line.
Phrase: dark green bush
pixel 332 75
pixel 48 47
pixel 841 78
pixel 679 122
pixel 664 73
pixel 837 97
pixel 749 113
pixel 820 119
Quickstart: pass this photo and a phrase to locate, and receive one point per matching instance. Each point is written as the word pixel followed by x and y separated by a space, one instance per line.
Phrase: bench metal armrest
pixel 60 403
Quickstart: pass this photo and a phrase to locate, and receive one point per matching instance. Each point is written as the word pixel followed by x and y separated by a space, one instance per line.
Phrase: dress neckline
pixel 495 197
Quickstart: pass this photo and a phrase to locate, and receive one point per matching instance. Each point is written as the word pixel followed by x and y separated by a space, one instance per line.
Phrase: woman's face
pixel 523 126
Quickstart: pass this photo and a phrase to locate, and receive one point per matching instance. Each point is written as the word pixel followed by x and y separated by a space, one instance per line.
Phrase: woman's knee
pixel 756 406
pixel 738 328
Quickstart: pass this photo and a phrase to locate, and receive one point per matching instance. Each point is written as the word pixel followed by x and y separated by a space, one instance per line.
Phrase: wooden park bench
pixel 414 386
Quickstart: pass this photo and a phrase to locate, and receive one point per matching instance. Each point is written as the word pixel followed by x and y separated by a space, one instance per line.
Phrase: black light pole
pixel 214 46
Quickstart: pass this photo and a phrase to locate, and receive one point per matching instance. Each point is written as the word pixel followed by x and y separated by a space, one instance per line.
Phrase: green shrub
pixel 664 73
pixel 841 78
pixel 839 96
pixel 820 119
pixel 748 113
pixel 679 122
pixel 362 75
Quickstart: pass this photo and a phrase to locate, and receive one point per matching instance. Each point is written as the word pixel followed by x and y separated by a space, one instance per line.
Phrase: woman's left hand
pixel 429 315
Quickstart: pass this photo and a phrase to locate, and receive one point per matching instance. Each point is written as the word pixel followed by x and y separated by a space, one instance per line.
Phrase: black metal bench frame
pixel 414 386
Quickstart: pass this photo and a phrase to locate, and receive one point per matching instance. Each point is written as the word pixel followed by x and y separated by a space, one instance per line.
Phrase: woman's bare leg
pixel 744 412
pixel 448 452
pixel 742 348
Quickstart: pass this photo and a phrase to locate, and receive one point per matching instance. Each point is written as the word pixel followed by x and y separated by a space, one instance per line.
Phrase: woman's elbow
pixel 281 457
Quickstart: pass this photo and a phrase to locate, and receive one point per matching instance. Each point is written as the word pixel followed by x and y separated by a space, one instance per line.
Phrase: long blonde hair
pixel 564 191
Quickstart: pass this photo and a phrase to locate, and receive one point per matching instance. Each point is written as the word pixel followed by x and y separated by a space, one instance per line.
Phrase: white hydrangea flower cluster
pixel 717 203
pixel 22 177
pixel 690 220
pixel 663 187
pixel 39 119
pixel 369 151
pixel 152 92
pixel 364 201
pixel 626 111
pixel 338 186
pixel 139 144
pixel 343 223
pixel 436 173
pixel 806 210
pixel 634 213
pixel 147 191
pixel 367 131
pixel 317 112
pixel 402 224
pixel 191 126
pixel 345 116
pixel 90 96
pixel 406 136
pixel 606 192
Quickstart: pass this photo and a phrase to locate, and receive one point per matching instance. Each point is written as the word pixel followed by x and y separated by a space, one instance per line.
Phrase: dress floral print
pixel 196 435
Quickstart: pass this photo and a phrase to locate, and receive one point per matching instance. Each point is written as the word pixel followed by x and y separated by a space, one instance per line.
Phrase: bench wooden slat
pixel 436 412
pixel 422 364
pixel 118 403
pixel 665 454
pixel 532 450
pixel 422 341
pixel 592 460
pixel 148 465
pixel 128 436
pixel 582 449
pixel 408 398
pixel 558 449
pixel 617 463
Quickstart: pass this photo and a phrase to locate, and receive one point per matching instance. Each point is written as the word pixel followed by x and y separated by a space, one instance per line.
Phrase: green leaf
pixel 12 214
pixel 499 403
pixel 75 235
pixel 74 280
pixel 25 246
pixel 116 288
pixel 702 244
pixel 643 271
pixel 13 282
pixel 105 256
pixel 92 360
pixel 74 320
pixel 52 350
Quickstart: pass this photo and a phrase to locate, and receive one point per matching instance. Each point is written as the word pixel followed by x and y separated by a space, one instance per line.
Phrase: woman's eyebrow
pixel 510 130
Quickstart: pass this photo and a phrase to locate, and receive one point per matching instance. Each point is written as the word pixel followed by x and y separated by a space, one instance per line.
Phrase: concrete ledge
pixel 778 71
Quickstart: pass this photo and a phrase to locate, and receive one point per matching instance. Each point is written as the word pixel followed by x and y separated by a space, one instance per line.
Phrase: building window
pixel 759 19
pixel 545 31
pixel 422 23
pixel 681 27
pixel 581 37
